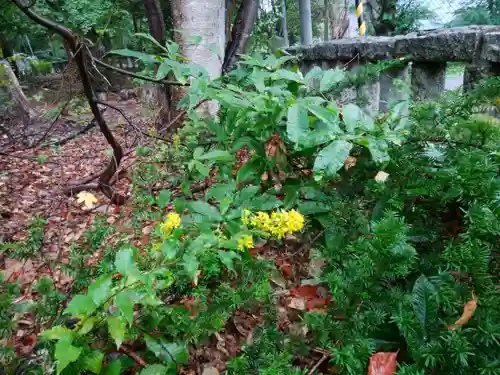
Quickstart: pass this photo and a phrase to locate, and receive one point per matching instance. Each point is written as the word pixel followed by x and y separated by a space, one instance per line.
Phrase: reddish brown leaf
pixel 307 291
pixel 383 363
pixel 287 271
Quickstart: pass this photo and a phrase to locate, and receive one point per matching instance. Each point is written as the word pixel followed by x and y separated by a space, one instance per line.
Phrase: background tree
pixel 477 12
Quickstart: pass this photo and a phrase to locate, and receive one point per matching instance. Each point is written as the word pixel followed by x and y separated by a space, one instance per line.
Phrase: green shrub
pixel 404 214
pixel 40 67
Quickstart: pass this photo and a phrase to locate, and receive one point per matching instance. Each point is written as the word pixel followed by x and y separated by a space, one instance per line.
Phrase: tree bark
pixel 7 52
pixel 326 21
pixel 15 92
pixel 382 14
pixel 284 24
pixel 240 33
pixel 306 35
pixel 156 21
pixel 203 19
pixel 162 94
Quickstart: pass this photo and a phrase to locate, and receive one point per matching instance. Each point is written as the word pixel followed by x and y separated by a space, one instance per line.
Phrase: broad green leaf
pixel 330 78
pixel 99 289
pixel 124 262
pixel 217 155
pixel 163 198
pixel 205 209
pixel 116 327
pixel 297 125
pixel 169 249
pixel 265 202
pixel 65 353
pixel 87 326
pixel 190 265
pixel 354 118
pixel 224 205
pixel 163 71
pixel 379 150
pixel 249 171
pixel 202 168
pixel 221 191
pixel 313 76
pixel 125 302
pixel 332 157
pixel 168 352
pixel 313 207
pixel 155 370
pixel 288 75
pixel 138 55
pixel 328 117
pixel 81 304
pixel 227 258
pixel 93 361
pixel 56 333
pixel 112 368
pixel 245 195
pixel 291 197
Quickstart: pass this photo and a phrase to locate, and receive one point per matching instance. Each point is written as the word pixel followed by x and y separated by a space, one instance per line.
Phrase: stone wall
pixel 425 55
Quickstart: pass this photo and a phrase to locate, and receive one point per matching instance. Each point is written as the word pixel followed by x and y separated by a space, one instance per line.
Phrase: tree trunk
pixel 156 23
pixel 203 19
pixel 14 93
pixel 240 32
pixel 326 21
pixel 284 24
pixel 382 14
pixel 306 36
pixel 7 52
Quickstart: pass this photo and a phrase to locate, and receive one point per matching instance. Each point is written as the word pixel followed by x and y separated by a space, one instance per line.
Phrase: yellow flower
pixel 246 242
pixel 277 224
pixel 173 221
pixel 261 220
pixel 295 221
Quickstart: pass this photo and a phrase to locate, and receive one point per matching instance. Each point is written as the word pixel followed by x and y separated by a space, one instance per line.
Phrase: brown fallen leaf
pixel 298 303
pixel 469 309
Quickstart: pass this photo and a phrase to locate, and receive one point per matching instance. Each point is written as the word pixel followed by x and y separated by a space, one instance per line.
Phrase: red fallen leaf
pixel 317 303
pixel 256 250
pixel 308 291
pixel 117 210
pixel 287 271
pixel 383 363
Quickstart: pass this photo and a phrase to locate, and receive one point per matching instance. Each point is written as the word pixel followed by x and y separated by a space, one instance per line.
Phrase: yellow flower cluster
pixel 277 224
pixel 245 242
pixel 173 221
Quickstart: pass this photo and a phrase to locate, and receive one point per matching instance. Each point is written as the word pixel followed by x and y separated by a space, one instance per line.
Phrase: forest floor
pixel 32 183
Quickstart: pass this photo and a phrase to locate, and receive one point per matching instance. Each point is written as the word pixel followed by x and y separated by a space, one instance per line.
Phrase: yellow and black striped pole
pixel 361 20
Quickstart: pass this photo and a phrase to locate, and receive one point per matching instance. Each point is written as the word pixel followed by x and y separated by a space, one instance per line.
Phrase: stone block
pixel 427 80
pixel 394 86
